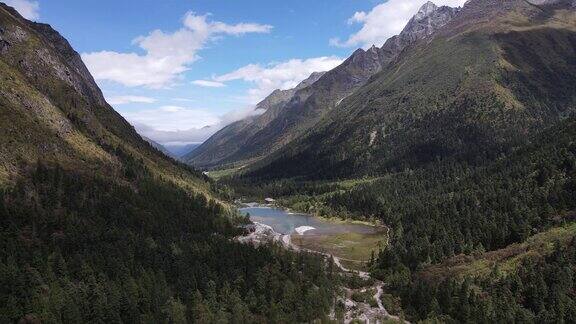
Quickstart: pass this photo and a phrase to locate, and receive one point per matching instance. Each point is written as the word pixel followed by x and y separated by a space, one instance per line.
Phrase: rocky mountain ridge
pixel 231 138
pixel 309 104
pixel 496 72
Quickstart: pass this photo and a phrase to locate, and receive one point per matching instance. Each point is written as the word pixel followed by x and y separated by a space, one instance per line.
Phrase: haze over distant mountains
pixel 174 151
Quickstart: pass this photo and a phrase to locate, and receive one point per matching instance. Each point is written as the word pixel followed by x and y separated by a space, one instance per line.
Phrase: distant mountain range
pixel 234 142
pixel 181 150
pixel 174 151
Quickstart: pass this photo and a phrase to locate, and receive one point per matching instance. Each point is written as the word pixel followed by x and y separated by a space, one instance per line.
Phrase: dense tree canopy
pixel 77 248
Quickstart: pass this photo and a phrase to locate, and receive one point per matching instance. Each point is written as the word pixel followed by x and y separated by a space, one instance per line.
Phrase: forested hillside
pixel 98 226
pixel 528 283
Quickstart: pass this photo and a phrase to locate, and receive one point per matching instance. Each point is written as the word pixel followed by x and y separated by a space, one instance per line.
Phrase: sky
pixel 179 70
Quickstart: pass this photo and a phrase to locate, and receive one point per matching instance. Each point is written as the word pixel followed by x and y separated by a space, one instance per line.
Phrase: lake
pixel 285 222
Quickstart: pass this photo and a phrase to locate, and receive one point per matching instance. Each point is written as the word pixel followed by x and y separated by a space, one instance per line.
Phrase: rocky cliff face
pixel 308 104
pixel 272 105
pixel 428 20
pixel 57 55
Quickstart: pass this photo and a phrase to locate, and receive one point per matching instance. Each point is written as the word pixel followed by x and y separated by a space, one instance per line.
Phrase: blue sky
pixel 181 69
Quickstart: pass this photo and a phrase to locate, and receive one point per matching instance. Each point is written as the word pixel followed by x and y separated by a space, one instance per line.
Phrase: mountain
pixel 173 151
pixel 54 112
pixel 473 90
pixel 96 225
pixel 300 109
pixel 226 146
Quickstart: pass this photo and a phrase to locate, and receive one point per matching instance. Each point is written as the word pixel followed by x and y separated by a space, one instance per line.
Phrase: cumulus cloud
pixel 209 84
pixel 177 124
pixel 28 9
pixel 167 55
pixel 384 21
pixel 122 100
pixel 283 75
pixel 201 25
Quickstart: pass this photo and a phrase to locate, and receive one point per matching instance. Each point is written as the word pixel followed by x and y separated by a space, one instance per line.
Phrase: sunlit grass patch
pixel 352 247
pixel 219 174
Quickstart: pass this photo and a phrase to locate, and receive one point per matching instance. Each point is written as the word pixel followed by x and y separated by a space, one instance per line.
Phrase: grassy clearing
pixel 351 183
pixel 352 248
pixel 337 220
pixel 219 174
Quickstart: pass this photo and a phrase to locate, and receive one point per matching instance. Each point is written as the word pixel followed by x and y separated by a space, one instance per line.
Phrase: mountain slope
pixel 227 144
pixel 309 104
pixel 159 147
pixel 97 226
pixel 53 110
pixel 498 71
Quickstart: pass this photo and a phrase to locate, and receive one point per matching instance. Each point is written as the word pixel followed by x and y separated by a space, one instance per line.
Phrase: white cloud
pixel 167 55
pixel 172 118
pixel 184 100
pixel 385 20
pixel 283 75
pixel 122 100
pixel 209 84
pixel 238 114
pixel 176 124
pixel 28 9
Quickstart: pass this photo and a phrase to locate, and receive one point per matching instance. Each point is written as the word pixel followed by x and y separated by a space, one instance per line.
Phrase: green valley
pixel 428 180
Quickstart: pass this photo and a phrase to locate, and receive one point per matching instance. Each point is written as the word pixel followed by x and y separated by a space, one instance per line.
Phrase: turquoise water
pixel 285 223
